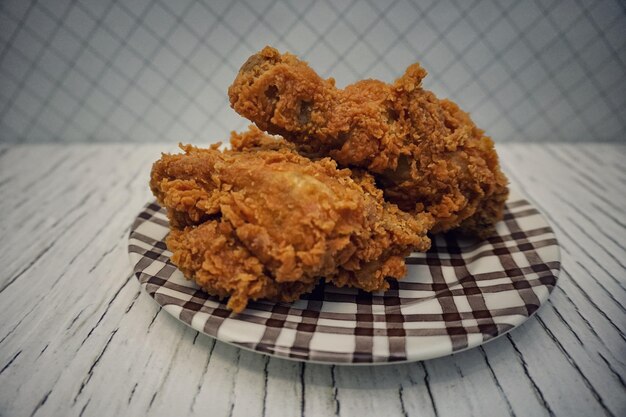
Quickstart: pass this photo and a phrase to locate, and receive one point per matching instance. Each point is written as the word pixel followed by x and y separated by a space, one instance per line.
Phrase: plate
pixel 460 294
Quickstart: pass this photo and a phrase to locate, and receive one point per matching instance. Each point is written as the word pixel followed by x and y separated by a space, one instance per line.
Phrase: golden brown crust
pixel 218 262
pixel 262 221
pixel 426 153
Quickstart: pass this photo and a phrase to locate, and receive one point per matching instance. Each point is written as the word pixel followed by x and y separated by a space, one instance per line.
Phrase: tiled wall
pixel 146 70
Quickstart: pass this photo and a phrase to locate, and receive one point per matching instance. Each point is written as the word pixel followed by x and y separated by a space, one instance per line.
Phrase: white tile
pixel 200 19
pixel 120 21
pixel 182 40
pixel 159 20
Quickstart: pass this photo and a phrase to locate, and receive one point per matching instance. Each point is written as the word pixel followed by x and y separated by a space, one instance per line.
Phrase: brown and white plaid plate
pixel 458 295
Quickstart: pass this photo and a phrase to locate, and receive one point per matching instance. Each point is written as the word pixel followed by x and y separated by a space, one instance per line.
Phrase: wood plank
pixel 602 282
pixel 355 386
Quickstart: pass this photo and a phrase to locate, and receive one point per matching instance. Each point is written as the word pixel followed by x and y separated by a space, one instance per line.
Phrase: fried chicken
pixel 263 222
pixel 426 154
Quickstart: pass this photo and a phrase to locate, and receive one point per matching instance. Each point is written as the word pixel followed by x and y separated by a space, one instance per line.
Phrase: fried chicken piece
pixel 425 153
pixel 263 222
pixel 215 258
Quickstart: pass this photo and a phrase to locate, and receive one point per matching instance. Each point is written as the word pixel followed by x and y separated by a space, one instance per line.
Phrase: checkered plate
pixel 459 295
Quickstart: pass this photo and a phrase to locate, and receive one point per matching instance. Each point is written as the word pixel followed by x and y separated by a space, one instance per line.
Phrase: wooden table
pixel 78 337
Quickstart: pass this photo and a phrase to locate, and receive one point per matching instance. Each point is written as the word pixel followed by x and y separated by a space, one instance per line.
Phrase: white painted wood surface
pixel 78 337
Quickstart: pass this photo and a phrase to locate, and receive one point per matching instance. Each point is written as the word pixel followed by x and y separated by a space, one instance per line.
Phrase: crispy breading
pixel 262 221
pixel 426 153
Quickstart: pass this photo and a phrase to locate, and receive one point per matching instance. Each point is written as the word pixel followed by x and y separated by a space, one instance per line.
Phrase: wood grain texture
pixel 79 338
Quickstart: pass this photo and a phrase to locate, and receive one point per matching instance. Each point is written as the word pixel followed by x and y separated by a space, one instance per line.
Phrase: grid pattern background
pixel 158 70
